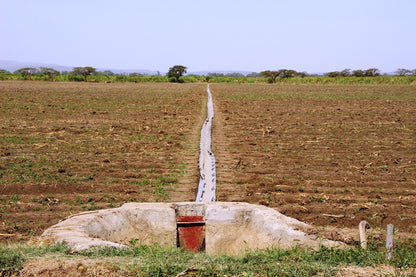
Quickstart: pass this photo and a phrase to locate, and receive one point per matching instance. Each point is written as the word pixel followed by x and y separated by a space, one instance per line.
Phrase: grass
pixel 154 260
pixel 12 258
pixel 160 185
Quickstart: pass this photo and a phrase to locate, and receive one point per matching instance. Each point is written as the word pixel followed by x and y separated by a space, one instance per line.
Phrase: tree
pixel 271 75
pixel 175 72
pixel 215 74
pixel 282 73
pixel 83 71
pixel 358 73
pixel 4 71
pixel 345 73
pixel 287 73
pixel 234 75
pixel 50 72
pixel 403 72
pixel 253 75
pixel 108 73
pixel 332 74
pixel 302 74
pixel 372 72
pixel 135 74
pixel 27 72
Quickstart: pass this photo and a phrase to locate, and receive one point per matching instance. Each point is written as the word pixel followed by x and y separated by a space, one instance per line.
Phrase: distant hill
pixel 15 65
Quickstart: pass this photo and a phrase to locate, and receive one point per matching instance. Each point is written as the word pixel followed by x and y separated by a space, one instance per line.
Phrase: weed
pixel 320 199
pixel 15 198
pixel 10 261
pixel 143 183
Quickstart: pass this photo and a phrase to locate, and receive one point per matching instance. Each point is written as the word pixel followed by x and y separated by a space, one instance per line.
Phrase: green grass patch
pixel 12 258
pixel 154 260
pixel 160 186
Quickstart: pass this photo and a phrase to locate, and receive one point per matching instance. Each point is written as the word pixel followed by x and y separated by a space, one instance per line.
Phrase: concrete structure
pixel 229 228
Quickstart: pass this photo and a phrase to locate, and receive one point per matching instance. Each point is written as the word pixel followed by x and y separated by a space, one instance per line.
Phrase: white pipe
pixel 362 228
pixel 389 241
pixel 207 181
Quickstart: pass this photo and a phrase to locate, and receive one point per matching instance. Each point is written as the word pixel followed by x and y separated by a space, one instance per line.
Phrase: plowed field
pixel 329 155
pixel 72 147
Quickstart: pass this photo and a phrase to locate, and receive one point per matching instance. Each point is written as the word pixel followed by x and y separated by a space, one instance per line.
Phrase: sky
pixel 305 35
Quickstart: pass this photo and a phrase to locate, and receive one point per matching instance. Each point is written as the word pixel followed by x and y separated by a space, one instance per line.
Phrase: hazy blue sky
pixel 305 35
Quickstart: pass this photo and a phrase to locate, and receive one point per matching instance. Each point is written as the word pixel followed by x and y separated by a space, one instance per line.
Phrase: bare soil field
pixel 72 147
pixel 329 155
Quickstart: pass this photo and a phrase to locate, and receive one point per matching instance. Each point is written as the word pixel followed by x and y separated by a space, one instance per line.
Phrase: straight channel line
pixel 208 179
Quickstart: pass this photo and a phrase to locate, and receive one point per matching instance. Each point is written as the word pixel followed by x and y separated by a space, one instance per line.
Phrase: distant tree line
pixel 272 75
pixel 27 72
pixel 405 72
pixel 177 73
pixel 371 72
pixel 77 73
pixel 232 75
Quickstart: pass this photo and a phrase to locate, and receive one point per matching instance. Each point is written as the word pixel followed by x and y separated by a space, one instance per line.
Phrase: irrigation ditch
pixel 207 181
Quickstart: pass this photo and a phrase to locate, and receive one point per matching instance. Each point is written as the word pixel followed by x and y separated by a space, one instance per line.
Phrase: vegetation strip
pixel 207 181
pixel 153 260
pixel 176 75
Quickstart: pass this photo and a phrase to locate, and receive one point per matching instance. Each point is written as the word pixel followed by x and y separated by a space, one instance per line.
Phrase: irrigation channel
pixel 207 181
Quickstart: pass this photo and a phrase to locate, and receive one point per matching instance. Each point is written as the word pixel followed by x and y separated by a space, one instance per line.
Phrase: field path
pixel 226 157
pixel 185 188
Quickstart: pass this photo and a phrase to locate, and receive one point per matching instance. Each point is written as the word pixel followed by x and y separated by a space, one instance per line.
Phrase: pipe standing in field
pixel 362 227
pixel 207 181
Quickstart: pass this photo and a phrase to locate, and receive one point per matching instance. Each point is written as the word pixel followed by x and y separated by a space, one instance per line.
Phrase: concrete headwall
pixel 230 228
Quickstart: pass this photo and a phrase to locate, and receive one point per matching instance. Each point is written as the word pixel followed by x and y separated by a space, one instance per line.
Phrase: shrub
pixel 76 78
pixel 172 79
pixel 10 262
